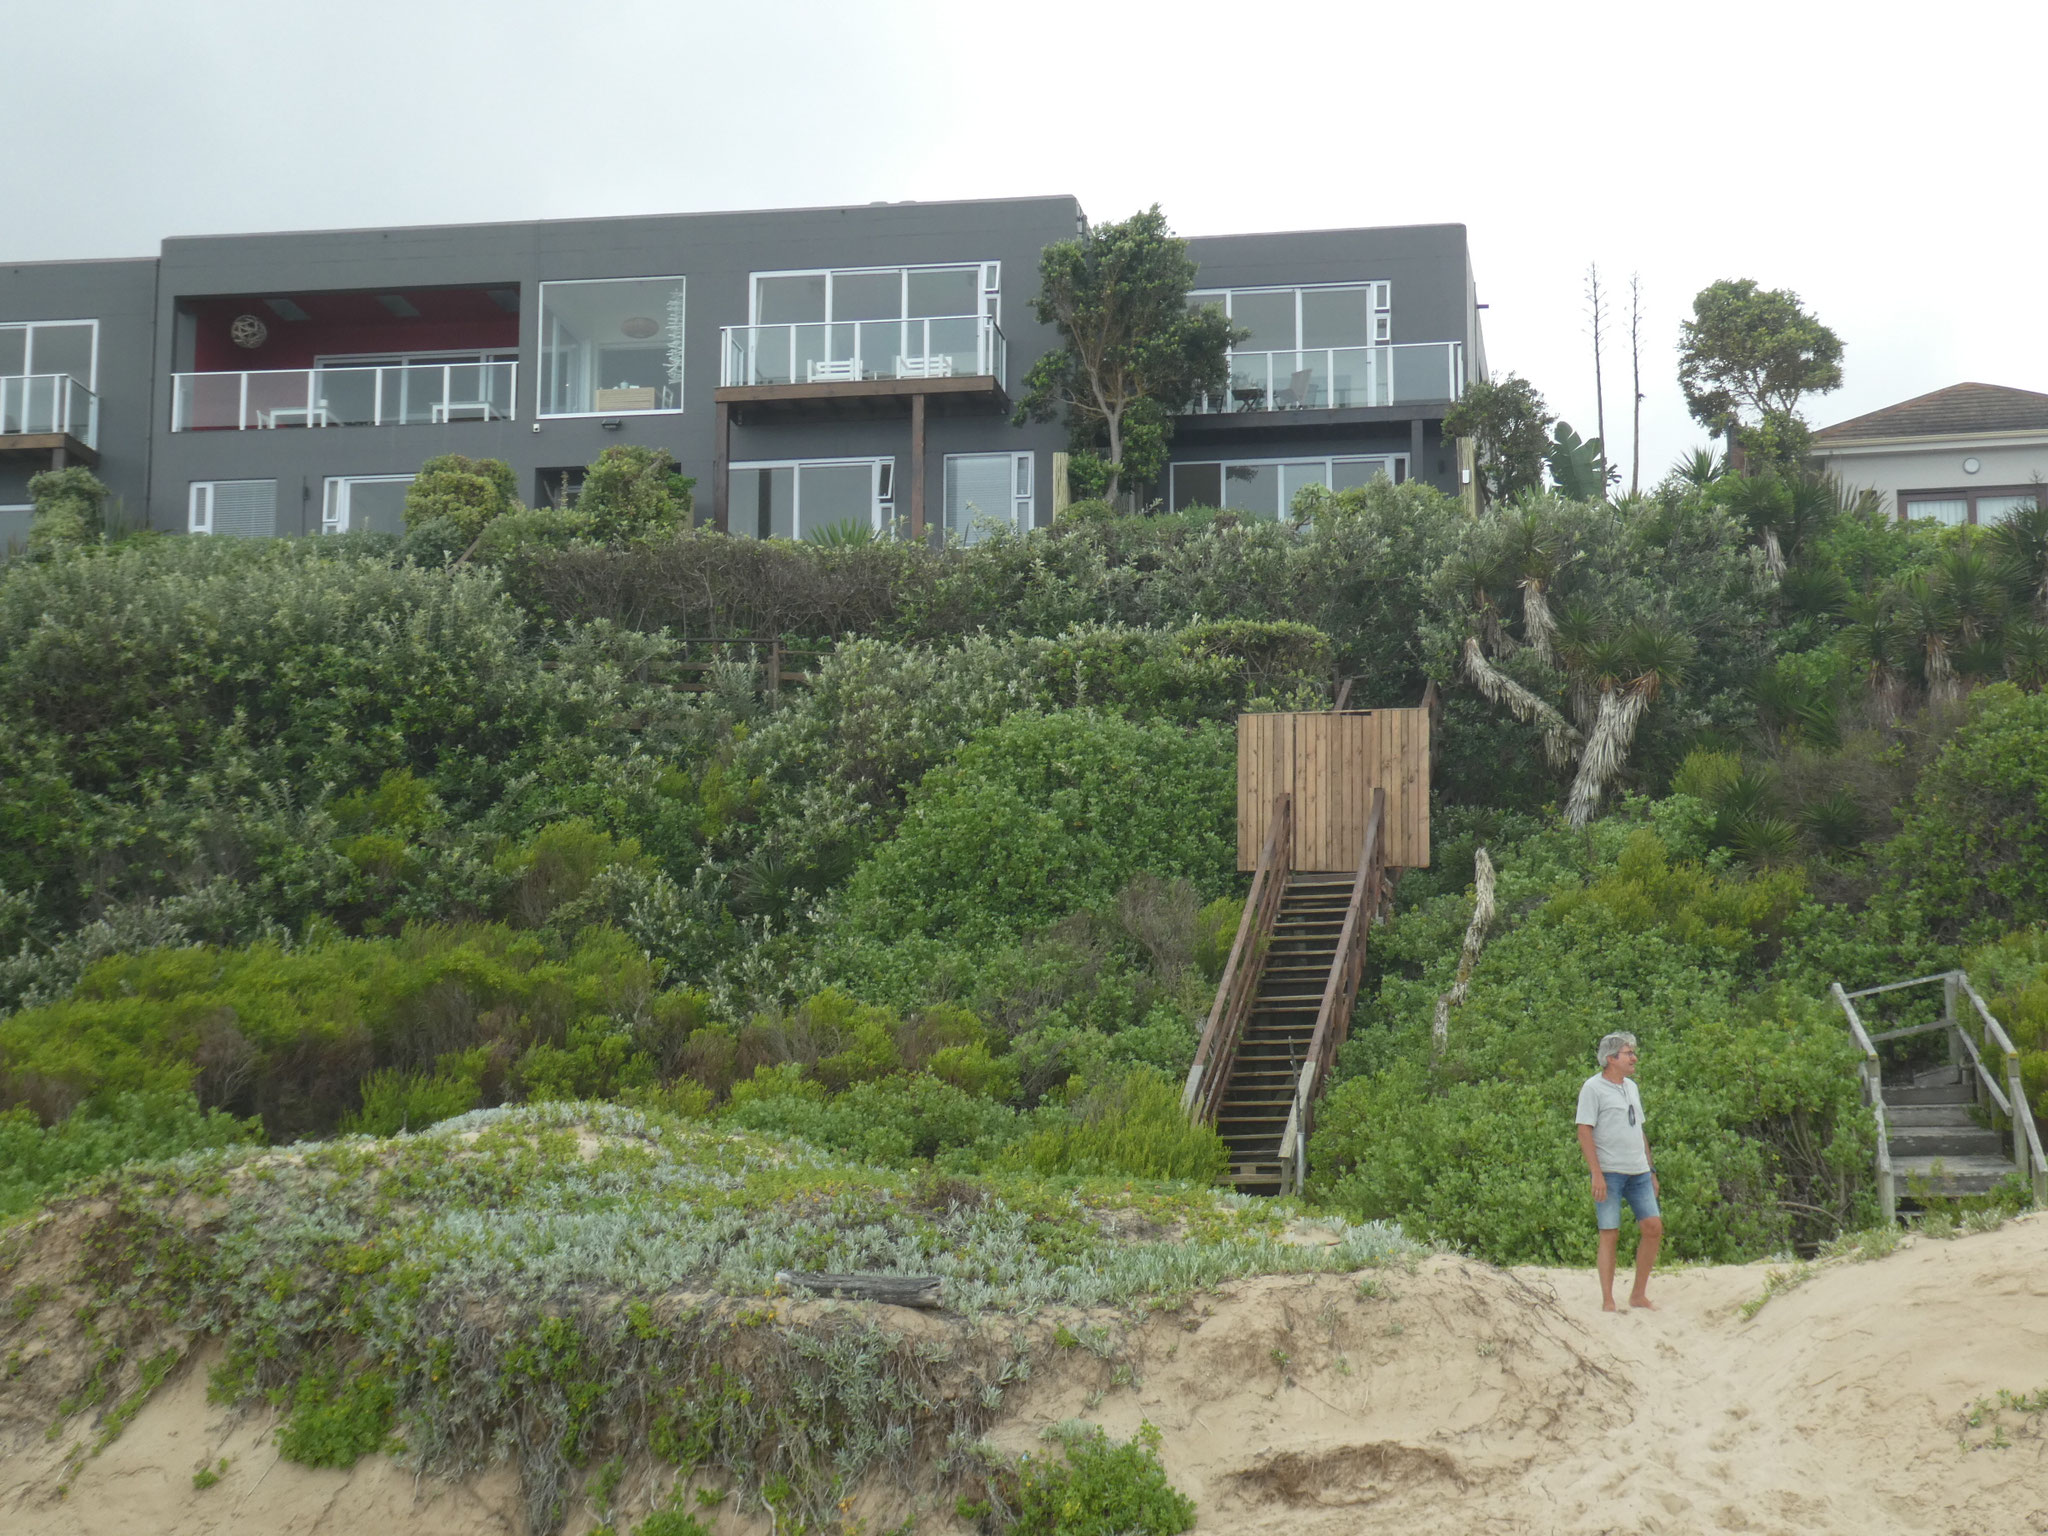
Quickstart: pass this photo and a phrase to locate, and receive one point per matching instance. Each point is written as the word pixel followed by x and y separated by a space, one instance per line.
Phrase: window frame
pixel 1023 487
pixel 192 514
pixel 882 489
pixel 345 484
pixel 1398 461
pixel 1379 309
pixel 1970 496
pixel 28 346
pixel 541 349
pixel 988 285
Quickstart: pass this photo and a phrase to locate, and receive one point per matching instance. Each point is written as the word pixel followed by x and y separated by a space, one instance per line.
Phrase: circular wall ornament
pixel 639 327
pixel 1972 465
pixel 248 331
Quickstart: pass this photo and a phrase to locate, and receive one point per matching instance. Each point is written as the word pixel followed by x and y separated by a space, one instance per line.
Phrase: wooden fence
pixel 1331 763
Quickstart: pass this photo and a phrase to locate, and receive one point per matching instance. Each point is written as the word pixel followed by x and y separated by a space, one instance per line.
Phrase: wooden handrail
pixel 1340 992
pixel 1239 984
pixel 1871 1071
pixel 2035 1165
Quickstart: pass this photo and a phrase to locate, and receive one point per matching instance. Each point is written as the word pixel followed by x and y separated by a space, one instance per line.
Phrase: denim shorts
pixel 1637 1189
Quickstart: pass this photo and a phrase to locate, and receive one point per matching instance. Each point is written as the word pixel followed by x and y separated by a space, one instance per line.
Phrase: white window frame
pixel 28 349
pixel 1380 310
pixel 882 493
pixel 990 287
pixel 542 349
pixel 1328 461
pixel 199 503
pixel 334 497
pixel 1023 488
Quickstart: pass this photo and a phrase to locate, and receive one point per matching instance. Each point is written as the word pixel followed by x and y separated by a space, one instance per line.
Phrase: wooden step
pixel 1950 1175
pixel 1900 1117
pixel 1955 1093
pixel 1946 1141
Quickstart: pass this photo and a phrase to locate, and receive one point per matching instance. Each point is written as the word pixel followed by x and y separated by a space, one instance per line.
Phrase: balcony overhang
pixel 863 399
pixel 1334 421
pixel 60 449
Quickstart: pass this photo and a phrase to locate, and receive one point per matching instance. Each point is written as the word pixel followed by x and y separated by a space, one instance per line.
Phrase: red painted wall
pixel 449 319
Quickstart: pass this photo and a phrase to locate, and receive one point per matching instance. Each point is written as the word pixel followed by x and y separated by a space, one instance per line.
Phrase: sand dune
pixel 1457 1398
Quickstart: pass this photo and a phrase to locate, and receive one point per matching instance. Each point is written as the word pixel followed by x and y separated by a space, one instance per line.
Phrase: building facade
pixel 808 367
pixel 1970 453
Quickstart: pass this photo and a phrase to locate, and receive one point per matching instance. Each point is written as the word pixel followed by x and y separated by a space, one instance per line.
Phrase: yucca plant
pixel 1630 672
pixel 1766 840
pixel 1834 821
pixel 2019 548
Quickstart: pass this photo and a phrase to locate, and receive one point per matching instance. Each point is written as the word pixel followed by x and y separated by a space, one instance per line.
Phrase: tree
pixel 632 492
pixel 69 509
pixel 1635 371
pixel 468 492
pixel 1131 353
pixel 1509 426
pixel 1596 309
pixel 1745 359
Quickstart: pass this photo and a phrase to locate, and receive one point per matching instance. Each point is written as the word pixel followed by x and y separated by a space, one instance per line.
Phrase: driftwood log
pixel 897 1290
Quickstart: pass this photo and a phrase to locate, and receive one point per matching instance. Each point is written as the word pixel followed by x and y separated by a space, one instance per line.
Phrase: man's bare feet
pixel 1644 1302
pixel 1607 1305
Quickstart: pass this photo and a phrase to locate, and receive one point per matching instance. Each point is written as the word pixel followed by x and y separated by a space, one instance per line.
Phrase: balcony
pixel 397 395
pixel 1340 378
pixel 864 367
pixel 49 413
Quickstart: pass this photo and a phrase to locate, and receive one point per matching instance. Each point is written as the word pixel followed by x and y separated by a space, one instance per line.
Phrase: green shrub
pixel 1100 1488
pixel 1134 1127
pixel 469 493
pixel 1972 859
pixel 634 493
pixel 337 1418
pixel 36 1162
pixel 291 1035
pixel 396 1101
pixel 1045 815
pixel 70 509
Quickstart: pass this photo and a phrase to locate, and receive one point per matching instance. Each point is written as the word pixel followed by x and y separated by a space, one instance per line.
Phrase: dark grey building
pixel 808 366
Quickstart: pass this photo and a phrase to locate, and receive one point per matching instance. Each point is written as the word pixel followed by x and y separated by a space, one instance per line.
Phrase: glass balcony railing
pixel 48 402
pixel 844 351
pixel 398 395
pixel 1327 378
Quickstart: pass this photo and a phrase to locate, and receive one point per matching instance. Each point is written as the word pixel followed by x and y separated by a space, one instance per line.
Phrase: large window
pixel 805 497
pixel 1993 504
pixel 611 347
pixel 1314 346
pixel 847 324
pixel 14 526
pixel 986 492
pixel 364 504
pixel 51 346
pixel 1267 487
pixel 245 509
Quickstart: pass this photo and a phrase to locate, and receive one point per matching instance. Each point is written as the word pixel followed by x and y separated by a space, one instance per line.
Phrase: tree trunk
pixel 1635 359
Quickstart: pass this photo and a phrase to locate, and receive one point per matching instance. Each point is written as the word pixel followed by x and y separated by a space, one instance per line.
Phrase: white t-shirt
pixel 1615 1111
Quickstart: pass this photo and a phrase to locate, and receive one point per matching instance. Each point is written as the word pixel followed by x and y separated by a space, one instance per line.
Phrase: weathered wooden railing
pixel 1870 1071
pixel 1239 984
pixel 2009 1100
pixel 1340 996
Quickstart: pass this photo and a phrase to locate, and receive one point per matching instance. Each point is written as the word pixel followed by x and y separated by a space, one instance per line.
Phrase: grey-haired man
pixel 1617 1153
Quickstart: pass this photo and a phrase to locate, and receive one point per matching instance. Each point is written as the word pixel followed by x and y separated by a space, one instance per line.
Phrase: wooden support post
pixel 917 533
pixel 57 456
pixel 721 466
pixel 1415 450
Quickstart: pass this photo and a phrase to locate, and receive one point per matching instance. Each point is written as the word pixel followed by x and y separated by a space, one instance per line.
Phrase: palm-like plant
pixel 1971 582
pixel 1877 642
pixel 1630 671
pixel 1927 620
pixel 1533 549
pixel 1700 468
pixel 2019 547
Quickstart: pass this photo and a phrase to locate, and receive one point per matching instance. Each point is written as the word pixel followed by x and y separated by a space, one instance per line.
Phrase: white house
pixel 1970 453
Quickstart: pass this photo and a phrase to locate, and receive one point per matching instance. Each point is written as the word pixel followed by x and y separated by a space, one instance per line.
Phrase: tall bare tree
pixel 1596 306
pixel 1635 365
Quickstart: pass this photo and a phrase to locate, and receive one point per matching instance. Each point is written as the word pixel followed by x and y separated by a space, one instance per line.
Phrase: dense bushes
pixel 1754 1113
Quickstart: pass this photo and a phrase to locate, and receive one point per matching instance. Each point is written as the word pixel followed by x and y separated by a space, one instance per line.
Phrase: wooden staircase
pixel 1258 1097
pixel 1955 1129
pixel 1284 1004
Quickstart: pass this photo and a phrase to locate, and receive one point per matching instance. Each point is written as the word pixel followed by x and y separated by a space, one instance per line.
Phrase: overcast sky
pixel 1883 161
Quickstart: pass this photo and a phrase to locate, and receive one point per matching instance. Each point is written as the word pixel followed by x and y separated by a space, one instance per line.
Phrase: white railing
pixel 1325 378
pixel 42 403
pixel 412 394
pixel 844 351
